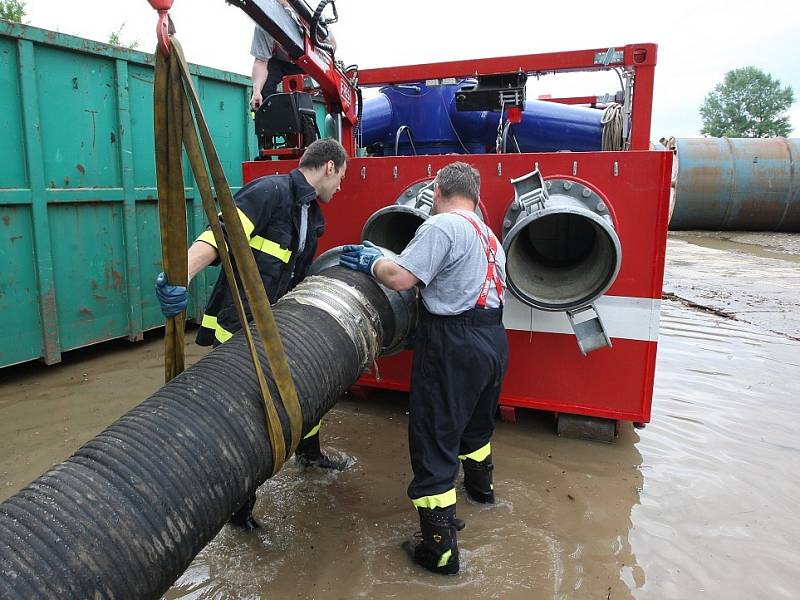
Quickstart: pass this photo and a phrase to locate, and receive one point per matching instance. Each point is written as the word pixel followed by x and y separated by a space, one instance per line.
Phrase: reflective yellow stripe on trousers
pixel 444 500
pixel 222 334
pixel 479 454
pixel 314 431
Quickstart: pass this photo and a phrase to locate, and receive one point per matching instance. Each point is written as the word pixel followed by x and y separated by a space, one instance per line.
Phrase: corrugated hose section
pixel 126 514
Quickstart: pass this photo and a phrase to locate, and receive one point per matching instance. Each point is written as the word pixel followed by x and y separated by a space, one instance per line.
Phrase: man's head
pixel 458 185
pixel 324 163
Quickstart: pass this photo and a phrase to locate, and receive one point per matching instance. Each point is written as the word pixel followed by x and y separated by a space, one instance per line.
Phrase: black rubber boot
pixel 244 516
pixel 309 454
pixel 437 551
pixel 478 479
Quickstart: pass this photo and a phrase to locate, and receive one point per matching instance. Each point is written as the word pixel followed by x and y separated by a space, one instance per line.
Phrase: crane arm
pixel 303 41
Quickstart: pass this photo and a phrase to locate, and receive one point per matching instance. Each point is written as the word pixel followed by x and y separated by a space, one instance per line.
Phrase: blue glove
pixel 173 298
pixel 360 257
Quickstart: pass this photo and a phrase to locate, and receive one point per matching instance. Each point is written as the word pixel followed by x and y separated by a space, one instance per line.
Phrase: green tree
pixel 748 103
pixel 12 10
pixel 115 40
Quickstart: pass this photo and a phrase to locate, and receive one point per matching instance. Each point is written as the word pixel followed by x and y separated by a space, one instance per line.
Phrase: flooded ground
pixel 750 277
pixel 700 504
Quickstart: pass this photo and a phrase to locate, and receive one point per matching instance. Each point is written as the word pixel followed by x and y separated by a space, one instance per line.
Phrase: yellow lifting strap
pixel 178 118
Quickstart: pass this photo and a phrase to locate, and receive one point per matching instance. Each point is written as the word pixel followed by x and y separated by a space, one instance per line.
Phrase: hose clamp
pixel 530 193
pixel 349 308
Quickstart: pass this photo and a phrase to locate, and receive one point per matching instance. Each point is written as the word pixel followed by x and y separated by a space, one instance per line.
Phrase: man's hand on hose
pixel 173 298
pixel 361 257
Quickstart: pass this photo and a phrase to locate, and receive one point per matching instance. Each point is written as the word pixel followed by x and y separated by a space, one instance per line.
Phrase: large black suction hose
pixel 126 514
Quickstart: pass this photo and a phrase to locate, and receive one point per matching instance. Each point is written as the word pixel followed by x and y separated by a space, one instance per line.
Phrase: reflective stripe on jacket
pixel 269 208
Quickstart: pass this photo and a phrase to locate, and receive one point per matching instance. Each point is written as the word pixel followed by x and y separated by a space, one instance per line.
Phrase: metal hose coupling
pixel 392 227
pixel 562 251
pixel 349 308
pixel 342 291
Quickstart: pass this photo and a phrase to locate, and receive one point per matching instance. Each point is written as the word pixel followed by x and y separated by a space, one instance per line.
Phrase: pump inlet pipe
pixel 562 251
pixel 562 248
pixel 126 514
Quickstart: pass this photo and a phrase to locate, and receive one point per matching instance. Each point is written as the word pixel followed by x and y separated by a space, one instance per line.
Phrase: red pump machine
pixel 584 231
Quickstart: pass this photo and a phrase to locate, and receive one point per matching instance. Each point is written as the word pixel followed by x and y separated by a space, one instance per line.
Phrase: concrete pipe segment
pixel 736 184
pixel 126 514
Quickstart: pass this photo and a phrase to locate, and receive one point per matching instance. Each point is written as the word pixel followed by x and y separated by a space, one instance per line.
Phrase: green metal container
pixel 79 235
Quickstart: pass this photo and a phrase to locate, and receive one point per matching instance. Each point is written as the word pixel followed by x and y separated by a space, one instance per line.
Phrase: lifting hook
pixel 163 26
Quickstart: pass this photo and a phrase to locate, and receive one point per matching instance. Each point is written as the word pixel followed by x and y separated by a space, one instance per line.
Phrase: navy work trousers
pixel 458 368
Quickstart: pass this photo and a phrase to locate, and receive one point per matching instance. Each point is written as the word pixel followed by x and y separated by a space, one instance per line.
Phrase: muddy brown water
pixel 751 277
pixel 700 504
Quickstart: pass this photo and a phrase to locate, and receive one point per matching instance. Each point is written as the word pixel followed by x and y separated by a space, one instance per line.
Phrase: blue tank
pixel 429 115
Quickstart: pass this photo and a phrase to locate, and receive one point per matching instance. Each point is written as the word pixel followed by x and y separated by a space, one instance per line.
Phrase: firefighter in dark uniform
pixel 282 218
pixel 460 356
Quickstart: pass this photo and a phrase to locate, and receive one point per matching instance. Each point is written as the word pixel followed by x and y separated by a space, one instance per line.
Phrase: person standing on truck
pixel 282 218
pixel 460 356
pixel 271 62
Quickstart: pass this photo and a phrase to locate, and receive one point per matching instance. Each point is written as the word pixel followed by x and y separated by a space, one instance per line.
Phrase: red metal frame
pixel 614 383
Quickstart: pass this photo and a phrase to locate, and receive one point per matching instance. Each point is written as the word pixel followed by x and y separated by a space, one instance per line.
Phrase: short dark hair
pixel 459 179
pixel 321 151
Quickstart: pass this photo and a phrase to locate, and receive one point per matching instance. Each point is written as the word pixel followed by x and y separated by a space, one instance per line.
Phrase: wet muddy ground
pixel 749 277
pixel 700 504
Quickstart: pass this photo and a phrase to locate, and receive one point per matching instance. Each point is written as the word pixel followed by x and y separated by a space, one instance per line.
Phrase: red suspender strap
pixel 489 244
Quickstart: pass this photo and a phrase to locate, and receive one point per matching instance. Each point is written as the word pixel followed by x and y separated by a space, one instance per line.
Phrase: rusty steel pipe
pixel 737 184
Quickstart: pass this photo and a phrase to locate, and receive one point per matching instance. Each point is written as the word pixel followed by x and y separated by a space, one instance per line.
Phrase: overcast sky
pixel 698 40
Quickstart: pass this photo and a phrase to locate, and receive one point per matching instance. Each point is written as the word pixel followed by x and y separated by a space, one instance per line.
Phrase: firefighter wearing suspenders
pixel 460 356
pixel 282 218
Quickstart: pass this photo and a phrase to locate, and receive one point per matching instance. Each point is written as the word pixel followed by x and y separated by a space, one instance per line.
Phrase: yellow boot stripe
pixel 314 431
pixel 438 501
pixel 479 454
pixel 445 558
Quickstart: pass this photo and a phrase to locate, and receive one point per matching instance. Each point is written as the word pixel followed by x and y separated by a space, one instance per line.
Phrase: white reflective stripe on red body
pixel 489 245
pixel 624 317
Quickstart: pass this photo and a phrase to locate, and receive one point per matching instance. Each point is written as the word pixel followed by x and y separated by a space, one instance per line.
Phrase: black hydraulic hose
pixel 126 514
pixel 318 32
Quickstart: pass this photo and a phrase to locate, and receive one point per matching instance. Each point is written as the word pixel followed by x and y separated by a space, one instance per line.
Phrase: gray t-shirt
pixel 447 256
pixel 265 47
